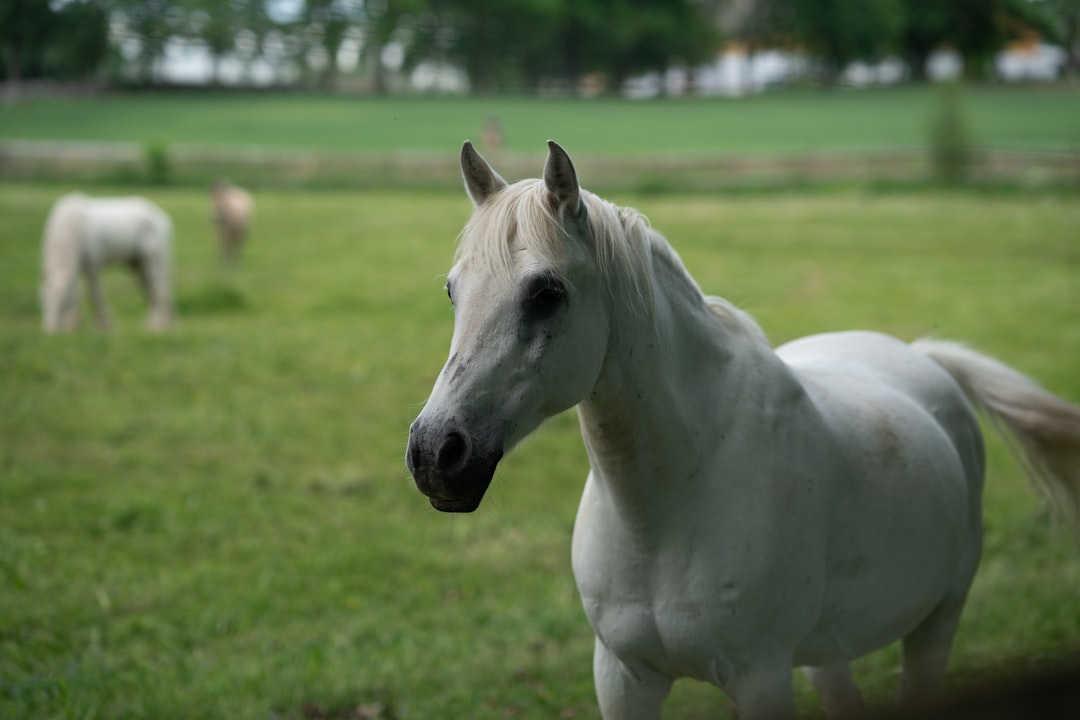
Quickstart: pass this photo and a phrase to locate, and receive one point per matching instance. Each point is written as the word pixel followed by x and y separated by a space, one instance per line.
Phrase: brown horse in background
pixel 233 209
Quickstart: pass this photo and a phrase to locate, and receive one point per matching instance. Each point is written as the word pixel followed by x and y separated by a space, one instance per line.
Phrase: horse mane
pixel 520 215
pixel 627 249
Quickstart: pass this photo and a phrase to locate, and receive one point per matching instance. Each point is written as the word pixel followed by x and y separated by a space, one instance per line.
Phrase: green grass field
pixel 217 522
pixel 1031 118
pixel 1018 137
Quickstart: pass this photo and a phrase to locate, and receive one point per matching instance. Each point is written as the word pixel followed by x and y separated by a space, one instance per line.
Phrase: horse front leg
pixel 837 690
pixel 762 690
pixel 626 693
pixel 155 274
pixel 60 302
pixel 97 298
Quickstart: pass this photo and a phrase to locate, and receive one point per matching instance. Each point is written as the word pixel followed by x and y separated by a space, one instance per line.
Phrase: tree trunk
pixel 374 62
pixel 13 60
pixel 916 62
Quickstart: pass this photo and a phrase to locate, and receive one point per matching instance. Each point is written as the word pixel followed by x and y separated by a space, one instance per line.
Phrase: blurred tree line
pixel 516 45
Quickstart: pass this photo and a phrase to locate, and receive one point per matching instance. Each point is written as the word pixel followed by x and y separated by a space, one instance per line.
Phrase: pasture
pixel 217 521
pixel 1019 136
pixel 1012 117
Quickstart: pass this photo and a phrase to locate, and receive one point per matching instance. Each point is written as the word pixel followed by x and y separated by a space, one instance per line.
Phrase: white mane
pixel 626 247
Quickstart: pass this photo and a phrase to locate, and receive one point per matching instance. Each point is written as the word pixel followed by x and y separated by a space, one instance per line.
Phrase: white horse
pixel 233 209
pixel 83 235
pixel 747 510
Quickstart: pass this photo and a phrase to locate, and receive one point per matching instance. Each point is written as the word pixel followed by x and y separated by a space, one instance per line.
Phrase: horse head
pixel 530 327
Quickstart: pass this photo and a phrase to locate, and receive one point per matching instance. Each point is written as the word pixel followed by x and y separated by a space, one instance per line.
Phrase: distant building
pixel 1031 60
pixel 736 71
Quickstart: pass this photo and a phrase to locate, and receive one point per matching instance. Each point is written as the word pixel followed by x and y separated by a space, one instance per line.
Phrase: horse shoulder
pixel 64 218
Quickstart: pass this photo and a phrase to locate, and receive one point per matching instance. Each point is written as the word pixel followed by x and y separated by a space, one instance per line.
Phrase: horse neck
pixel 670 387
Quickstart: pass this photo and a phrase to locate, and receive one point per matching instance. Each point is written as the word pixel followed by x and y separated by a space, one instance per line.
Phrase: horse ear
pixel 561 181
pixel 481 181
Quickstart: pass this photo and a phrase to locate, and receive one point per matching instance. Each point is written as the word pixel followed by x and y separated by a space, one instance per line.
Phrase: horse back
pixel 877 391
pixel 125 229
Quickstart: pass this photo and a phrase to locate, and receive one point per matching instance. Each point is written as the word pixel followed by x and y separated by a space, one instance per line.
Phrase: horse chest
pixel 682 607
pixel 675 635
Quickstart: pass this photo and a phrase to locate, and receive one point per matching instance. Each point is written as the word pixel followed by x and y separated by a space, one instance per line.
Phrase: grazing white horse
pixel 233 209
pixel 747 510
pixel 83 235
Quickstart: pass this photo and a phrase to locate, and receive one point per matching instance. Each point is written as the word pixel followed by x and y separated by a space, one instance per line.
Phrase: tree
pixel 216 24
pixel 654 34
pixel 381 21
pixel 925 27
pixel 38 41
pixel 25 28
pixel 520 44
pixel 839 32
pixel 500 44
pixel 81 42
pixel 1063 25
pixel 760 23
pixel 153 23
pixel 328 22
pixel 255 24
pixel 976 29
pixel 833 32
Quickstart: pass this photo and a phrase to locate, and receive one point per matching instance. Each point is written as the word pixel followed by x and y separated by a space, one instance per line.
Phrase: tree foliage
pixel 520 45
pixel 1062 24
pixel 839 32
pixel 976 29
pixel 40 41
pixel 980 28
pixel 25 29
pixel 525 44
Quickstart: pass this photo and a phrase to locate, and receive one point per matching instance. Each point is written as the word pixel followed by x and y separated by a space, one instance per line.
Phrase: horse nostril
pixel 453 452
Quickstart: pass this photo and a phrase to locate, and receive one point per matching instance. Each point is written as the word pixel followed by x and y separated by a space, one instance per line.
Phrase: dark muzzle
pixel 451 468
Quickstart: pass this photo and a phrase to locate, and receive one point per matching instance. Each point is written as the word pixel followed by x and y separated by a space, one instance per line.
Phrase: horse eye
pixel 543 295
pixel 449 293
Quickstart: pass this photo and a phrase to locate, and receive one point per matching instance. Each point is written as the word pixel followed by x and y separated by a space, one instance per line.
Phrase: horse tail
pixel 1042 429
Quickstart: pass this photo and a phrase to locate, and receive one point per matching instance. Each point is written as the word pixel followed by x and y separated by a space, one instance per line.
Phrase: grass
pixel 1032 118
pixel 785 139
pixel 217 522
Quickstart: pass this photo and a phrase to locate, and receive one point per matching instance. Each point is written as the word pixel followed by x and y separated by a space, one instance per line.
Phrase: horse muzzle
pixel 450 466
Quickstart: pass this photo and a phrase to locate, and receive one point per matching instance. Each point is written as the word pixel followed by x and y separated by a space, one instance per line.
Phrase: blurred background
pixel 696 53
pixel 632 48
pixel 216 521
